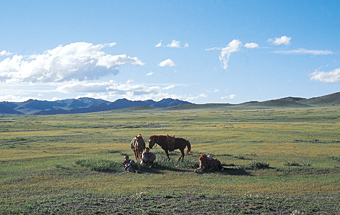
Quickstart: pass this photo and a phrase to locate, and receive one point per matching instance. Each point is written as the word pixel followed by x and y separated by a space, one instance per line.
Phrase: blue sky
pixel 199 51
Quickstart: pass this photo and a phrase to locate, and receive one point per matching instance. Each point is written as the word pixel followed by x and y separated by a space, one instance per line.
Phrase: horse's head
pixel 138 138
pixel 139 142
pixel 203 159
pixel 151 141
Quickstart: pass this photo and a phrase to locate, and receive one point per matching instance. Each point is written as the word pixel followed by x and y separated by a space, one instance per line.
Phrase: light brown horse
pixel 208 164
pixel 166 142
pixel 138 146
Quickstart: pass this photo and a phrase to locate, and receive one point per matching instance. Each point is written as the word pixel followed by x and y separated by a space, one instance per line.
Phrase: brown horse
pixel 208 164
pixel 170 143
pixel 138 146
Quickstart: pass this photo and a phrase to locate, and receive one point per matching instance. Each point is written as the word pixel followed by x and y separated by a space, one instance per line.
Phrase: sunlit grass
pixel 39 154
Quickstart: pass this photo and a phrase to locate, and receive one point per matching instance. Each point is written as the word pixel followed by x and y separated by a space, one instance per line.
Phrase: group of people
pixel 147 159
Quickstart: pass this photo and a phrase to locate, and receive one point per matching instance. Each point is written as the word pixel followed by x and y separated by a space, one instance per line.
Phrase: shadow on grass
pixel 160 169
pixel 235 171
pixel 229 171
pixel 160 166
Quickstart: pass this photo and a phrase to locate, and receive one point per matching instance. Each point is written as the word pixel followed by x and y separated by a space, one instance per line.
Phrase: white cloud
pixel 233 46
pixel 131 87
pixel 305 51
pixel 111 90
pixel 110 86
pixel 24 91
pixel 158 44
pixel 251 45
pixel 14 98
pixel 212 49
pixel 174 44
pixel 167 62
pixel 108 90
pixel 169 87
pixel 5 53
pixel 279 41
pixel 149 74
pixel 332 76
pixel 193 98
pixel 232 96
pixel 77 86
pixel 75 61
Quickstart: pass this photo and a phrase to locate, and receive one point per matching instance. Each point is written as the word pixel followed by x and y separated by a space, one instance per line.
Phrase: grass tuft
pixel 336 158
pixel 258 165
pixel 100 165
pixel 164 163
pixel 241 157
pixel 291 163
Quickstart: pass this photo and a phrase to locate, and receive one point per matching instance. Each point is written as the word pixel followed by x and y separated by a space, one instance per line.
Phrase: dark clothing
pixel 130 166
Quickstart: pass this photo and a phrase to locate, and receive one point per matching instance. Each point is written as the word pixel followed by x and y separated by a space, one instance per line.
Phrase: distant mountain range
pixel 87 105
pixel 81 105
pixel 328 100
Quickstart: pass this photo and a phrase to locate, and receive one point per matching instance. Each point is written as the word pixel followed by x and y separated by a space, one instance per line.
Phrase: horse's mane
pixel 157 136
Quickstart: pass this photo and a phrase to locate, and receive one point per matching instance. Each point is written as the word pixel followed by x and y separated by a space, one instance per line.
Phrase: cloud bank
pixel 75 61
pixel 111 90
pixel 5 53
pixel 332 76
pixel 77 69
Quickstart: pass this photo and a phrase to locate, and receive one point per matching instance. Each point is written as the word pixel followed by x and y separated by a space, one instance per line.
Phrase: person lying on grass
pixel 129 165
pixel 207 163
pixel 148 157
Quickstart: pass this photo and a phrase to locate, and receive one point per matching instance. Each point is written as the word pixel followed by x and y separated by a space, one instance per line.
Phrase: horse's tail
pixel 188 147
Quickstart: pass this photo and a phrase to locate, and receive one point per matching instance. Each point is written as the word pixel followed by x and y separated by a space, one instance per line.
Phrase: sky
pixel 229 51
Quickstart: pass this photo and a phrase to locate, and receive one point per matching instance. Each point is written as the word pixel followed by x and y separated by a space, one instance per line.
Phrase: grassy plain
pixel 41 161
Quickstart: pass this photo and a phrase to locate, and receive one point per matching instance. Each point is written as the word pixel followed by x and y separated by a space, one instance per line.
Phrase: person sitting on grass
pixel 148 157
pixel 129 165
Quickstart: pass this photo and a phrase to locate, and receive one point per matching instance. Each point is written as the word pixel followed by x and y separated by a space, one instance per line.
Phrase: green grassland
pixel 72 163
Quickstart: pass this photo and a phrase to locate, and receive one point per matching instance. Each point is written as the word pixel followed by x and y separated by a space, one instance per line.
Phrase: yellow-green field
pixel 40 159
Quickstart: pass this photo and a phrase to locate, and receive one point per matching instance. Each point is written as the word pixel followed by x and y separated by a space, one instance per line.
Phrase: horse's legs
pixel 136 154
pixel 167 154
pixel 220 165
pixel 182 155
pixel 140 153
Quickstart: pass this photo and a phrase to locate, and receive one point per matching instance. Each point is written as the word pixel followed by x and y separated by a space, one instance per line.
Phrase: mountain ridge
pixel 88 105
pixel 80 105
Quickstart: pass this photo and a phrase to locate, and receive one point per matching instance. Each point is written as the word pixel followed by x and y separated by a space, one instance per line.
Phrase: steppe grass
pixel 277 161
